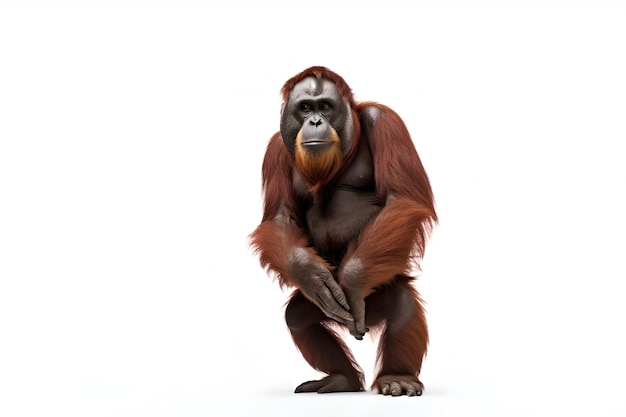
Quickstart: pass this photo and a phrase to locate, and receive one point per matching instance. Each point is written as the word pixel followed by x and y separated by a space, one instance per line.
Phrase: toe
pixel 408 388
pixel 309 386
pixel 396 389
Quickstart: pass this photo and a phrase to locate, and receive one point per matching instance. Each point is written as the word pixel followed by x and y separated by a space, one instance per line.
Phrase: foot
pixel 396 385
pixel 332 383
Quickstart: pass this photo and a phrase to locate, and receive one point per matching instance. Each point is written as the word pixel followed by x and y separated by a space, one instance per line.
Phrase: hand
pixel 318 284
pixel 351 280
pixel 357 308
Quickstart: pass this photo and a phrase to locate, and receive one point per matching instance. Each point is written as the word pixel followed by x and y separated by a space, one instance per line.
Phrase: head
pixel 317 122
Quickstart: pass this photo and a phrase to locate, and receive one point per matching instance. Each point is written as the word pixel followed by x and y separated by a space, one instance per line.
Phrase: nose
pixel 315 121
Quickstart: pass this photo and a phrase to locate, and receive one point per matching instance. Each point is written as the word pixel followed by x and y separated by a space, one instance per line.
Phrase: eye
pixel 325 106
pixel 305 107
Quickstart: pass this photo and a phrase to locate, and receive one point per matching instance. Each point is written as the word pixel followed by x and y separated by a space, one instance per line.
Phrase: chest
pixel 346 209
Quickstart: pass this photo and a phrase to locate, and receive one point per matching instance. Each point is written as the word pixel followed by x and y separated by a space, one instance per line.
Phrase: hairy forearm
pixel 278 244
pixel 387 246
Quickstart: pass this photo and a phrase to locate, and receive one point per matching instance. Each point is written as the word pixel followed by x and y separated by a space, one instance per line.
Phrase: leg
pixel 404 341
pixel 321 348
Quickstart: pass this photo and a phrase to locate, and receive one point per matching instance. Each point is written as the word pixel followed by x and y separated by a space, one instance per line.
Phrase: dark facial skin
pixel 314 108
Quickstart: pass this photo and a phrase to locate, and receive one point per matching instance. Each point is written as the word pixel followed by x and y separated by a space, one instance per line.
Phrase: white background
pixel 131 139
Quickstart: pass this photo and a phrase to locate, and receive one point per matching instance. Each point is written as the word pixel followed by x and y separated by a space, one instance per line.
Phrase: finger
pixel 339 319
pixel 358 312
pixel 359 318
pixel 332 309
pixel 331 305
pixel 386 389
pixel 336 291
pixel 334 316
pixel 354 332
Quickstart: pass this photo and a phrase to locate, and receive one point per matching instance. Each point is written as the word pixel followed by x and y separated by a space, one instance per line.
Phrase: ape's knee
pixel 301 313
pixel 294 316
pixel 291 318
pixel 406 308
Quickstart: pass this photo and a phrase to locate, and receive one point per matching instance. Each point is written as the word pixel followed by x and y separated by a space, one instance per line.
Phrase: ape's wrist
pixel 351 275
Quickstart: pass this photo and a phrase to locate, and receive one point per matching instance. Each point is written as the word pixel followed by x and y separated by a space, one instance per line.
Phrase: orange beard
pixel 318 169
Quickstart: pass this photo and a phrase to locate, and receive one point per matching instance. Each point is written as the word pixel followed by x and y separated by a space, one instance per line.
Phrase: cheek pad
pixel 289 128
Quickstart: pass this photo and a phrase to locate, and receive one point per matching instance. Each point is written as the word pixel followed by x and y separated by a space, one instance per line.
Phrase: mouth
pixel 315 142
pixel 316 145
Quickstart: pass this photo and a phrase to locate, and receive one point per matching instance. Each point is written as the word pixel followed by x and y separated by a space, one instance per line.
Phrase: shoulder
pixel 372 114
pixel 369 112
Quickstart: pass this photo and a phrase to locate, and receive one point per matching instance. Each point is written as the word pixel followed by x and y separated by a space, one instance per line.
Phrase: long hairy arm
pixel 282 245
pixel 393 242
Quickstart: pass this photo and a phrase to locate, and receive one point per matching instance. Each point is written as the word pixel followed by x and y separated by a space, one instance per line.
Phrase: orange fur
pixel 316 168
pixel 392 244
pixel 398 168
pixel 387 248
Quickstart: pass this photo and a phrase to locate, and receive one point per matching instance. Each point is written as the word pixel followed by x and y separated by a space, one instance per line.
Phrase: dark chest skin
pixel 346 208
